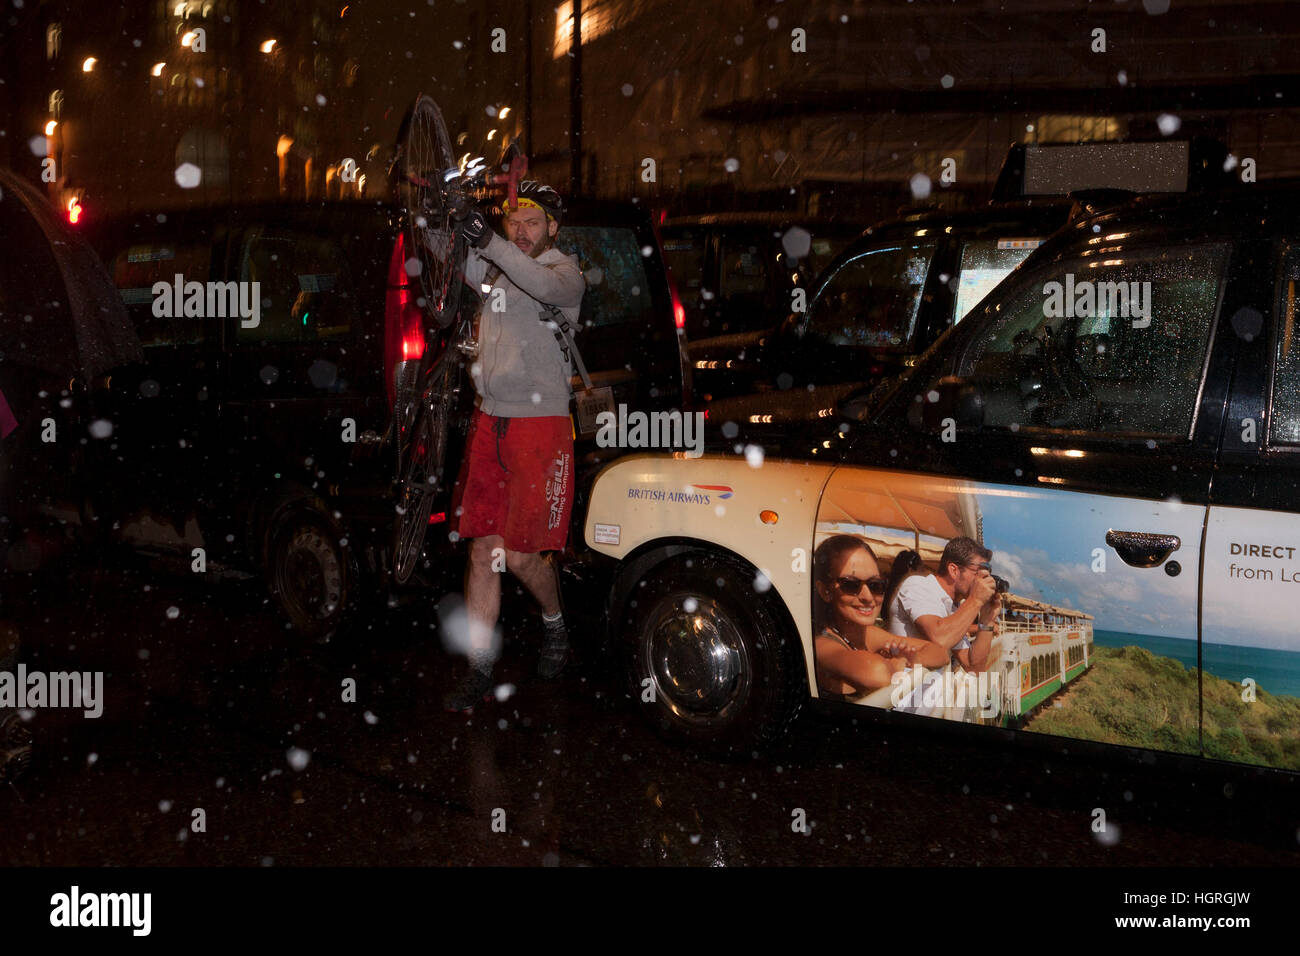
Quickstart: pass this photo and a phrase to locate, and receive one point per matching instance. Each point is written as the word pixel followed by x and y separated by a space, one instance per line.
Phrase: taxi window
pixel 306 291
pixel 985 263
pixel 1284 427
pixel 1116 346
pixel 684 253
pixel 872 300
pixel 744 269
pixel 135 270
pixel 612 262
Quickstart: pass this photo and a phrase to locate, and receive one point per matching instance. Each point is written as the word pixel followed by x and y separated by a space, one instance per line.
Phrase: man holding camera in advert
pixel 961 601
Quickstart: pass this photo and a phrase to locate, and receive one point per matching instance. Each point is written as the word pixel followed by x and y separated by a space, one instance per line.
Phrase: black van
pixel 258 445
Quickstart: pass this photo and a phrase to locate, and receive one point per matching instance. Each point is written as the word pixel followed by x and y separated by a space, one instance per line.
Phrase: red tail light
pixel 437 517
pixel 403 319
pixel 74 211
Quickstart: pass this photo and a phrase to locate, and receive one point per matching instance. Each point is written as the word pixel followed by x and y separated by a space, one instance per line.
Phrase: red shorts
pixel 516 481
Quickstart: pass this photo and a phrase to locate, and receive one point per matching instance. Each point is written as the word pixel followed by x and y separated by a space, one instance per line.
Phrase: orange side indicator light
pixel 769 517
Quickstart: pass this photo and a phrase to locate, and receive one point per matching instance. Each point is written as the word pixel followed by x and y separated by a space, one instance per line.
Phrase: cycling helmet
pixel 533 193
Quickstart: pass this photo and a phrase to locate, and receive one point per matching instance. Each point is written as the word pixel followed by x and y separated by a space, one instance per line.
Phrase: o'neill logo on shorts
pixel 689 495
pixel 557 491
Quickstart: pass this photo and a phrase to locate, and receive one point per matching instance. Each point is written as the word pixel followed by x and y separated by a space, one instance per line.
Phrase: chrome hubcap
pixel 696 658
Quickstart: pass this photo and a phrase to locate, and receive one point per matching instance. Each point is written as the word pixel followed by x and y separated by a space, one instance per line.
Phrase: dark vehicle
pixel 878 305
pixel 733 271
pixel 1117 423
pixel 736 279
pixel 254 438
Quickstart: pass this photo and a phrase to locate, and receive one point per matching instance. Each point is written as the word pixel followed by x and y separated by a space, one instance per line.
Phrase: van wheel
pixel 311 571
pixel 712 662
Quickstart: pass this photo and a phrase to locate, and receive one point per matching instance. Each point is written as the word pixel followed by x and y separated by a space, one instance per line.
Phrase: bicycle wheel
pixel 436 247
pixel 422 452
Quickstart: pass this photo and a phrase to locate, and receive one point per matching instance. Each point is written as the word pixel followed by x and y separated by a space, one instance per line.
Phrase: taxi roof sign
pixel 1163 166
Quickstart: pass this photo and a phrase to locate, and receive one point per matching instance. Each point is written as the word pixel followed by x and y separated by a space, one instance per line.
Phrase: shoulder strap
pixel 563 330
pixel 564 338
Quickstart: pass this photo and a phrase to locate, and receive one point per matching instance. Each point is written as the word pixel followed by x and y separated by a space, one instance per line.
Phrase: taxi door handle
pixel 1143 549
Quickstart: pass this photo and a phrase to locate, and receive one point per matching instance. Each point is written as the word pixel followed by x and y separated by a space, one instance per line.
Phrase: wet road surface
pixel 215 706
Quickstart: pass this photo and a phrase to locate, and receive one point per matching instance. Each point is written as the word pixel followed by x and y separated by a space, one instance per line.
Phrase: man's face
pixel 963 576
pixel 529 229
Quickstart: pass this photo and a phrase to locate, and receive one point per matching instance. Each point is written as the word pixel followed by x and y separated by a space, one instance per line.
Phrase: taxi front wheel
pixel 713 661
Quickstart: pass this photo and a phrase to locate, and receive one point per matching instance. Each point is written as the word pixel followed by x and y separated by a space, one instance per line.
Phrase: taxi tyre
pixel 741 691
pixel 311 571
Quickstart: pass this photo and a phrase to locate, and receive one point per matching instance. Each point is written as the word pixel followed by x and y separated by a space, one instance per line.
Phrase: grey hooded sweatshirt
pixel 521 372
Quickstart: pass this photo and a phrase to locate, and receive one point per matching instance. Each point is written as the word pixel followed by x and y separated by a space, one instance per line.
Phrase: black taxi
pixel 1112 435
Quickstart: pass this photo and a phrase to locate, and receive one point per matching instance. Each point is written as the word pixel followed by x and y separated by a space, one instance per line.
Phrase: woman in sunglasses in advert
pixel 854 655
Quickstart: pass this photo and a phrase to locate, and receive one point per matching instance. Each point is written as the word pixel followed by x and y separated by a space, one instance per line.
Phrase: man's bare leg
pixel 482 606
pixel 539 577
pixel 483 590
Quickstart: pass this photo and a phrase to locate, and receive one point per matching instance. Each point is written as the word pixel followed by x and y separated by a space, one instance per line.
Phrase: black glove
pixel 476 229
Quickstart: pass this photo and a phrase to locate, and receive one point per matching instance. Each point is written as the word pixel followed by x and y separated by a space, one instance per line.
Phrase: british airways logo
pixel 689 495
pixel 722 491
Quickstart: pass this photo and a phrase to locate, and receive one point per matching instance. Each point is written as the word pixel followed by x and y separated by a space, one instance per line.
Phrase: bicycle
pixel 435 194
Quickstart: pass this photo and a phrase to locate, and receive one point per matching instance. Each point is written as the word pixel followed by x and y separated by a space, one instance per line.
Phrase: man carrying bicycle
pixel 515 492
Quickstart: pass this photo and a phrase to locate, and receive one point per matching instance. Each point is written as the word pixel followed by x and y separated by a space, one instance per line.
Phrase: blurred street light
pixel 88 64
pixel 188 38
pixel 157 69
pixel 49 127
pixel 268 46
pixel 504 111
pixel 491 133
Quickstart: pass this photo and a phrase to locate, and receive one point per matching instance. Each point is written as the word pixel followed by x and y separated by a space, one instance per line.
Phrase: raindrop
pixel 370 718
pixel 1247 323
pixel 920 186
pixel 754 455
pixel 730 429
pixel 1155 7
pixel 320 99
pixel 731 165
pixel 628 89
pixel 947 81
pixel 173 613
pixel 149 388
pixel 1122 76
pixel 503 692
pixel 1108 836
pixel 797 242
pixel 1168 122
pixel 762 583
pixel 298 758
pixel 323 374
pixel 100 428
pixel 690 605
pixel 164 805
pixel 269 374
